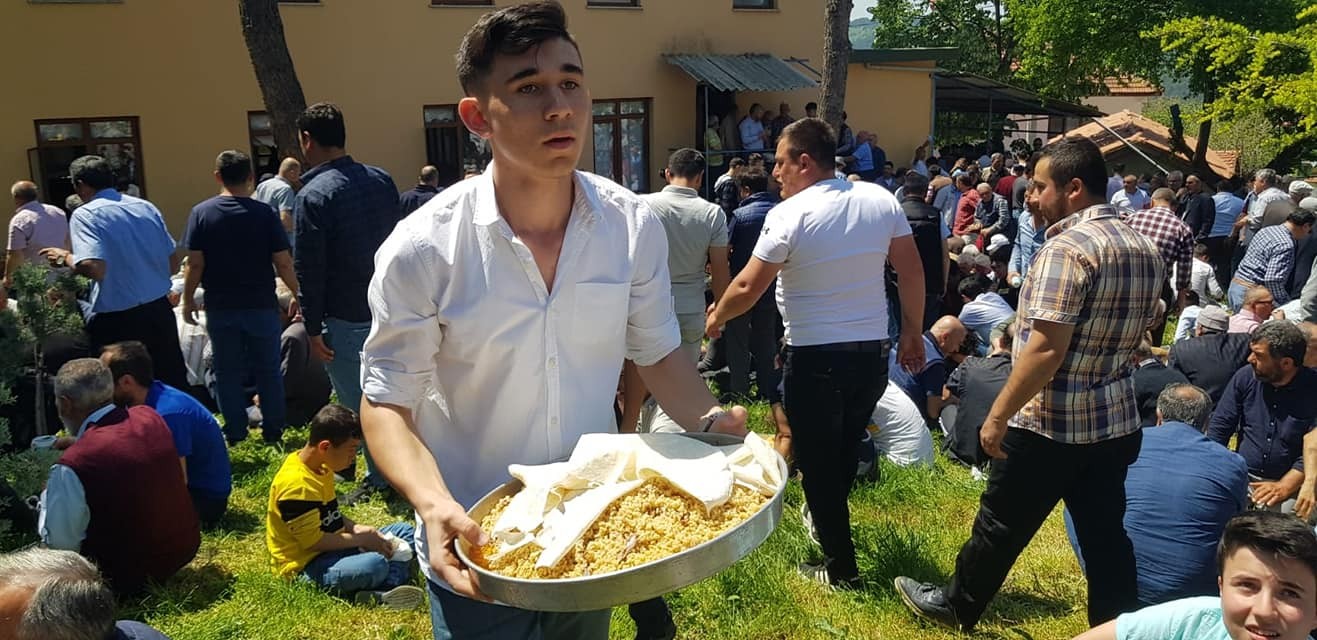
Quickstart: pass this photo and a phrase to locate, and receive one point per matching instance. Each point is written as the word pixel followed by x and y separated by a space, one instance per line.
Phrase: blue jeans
pixel 348 571
pixel 454 616
pixel 346 340
pixel 1235 295
pixel 246 346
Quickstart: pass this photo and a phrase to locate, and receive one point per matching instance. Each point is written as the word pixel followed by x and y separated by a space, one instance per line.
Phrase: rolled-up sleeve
pixel 1061 279
pixel 405 334
pixel 20 230
pixel 652 331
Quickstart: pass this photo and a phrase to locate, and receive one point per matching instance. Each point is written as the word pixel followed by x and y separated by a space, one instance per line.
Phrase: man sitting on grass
pixel 1268 582
pixel 308 535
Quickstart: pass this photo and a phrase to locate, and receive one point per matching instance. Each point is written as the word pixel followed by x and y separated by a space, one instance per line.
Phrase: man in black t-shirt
pixel 973 387
pixel 235 246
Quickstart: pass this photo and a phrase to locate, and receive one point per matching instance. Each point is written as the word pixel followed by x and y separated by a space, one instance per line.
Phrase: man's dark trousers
pixel 752 335
pixel 830 392
pixel 1022 491
pixel 154 325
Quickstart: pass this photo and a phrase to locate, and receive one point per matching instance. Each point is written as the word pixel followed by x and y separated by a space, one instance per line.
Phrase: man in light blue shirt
pixel 121 244
pixel 983 310
pixel 1228 208
pixel 753 135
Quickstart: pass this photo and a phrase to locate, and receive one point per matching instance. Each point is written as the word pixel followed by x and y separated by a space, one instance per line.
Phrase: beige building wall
pixel 895 102
pixel 182 67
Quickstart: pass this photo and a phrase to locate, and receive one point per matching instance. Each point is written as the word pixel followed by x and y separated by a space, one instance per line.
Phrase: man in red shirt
pixel 965 222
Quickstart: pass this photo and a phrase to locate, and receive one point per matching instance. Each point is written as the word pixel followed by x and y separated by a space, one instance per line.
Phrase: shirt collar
pixel 1149 361
pixel 34 206
pixel 1095 212
pixel 684 191
pixel 584 205
pixel 326 166
pixel 108 194
pixel 426 188
pixel 95 415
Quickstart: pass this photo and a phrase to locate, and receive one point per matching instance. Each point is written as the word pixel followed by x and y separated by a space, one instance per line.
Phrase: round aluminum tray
pixel 639 583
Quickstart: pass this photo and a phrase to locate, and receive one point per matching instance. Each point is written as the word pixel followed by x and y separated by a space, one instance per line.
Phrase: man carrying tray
pixel 503 310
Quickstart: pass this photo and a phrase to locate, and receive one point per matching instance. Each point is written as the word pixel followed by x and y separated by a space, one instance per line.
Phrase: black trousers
pixel 1022 490
pixel 153 325
pixel 829 396
pixel 752 335
pixel 1218 253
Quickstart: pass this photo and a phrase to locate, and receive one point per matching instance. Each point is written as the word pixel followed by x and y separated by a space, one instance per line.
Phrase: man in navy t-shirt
pixel 196 434
pixel 235 246
pixel 924 386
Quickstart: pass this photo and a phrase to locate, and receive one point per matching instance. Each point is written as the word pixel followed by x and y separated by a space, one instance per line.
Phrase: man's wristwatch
pixel 706 422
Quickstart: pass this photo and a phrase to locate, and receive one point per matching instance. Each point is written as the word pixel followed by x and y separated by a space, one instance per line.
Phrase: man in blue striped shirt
pixel 1270 258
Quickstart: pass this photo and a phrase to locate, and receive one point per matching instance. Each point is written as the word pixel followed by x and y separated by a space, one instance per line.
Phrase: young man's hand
pixel 371 539
pixel 443 526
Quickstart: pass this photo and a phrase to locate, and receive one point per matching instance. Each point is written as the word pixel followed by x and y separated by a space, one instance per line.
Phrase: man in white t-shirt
pixel 502 312
pixel 826 245
pixel 901 434
pixel 1130 195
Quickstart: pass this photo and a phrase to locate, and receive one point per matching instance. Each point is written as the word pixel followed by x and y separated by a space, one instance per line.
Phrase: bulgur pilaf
pixel 650 523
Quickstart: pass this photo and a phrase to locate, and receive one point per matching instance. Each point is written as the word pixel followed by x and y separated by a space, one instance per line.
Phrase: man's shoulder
pixel 173 402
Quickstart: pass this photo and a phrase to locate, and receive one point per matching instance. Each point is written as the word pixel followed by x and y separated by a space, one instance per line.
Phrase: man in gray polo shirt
pixel 697 235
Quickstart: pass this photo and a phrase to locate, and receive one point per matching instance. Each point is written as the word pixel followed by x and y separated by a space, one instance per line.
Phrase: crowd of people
pixel 1011 308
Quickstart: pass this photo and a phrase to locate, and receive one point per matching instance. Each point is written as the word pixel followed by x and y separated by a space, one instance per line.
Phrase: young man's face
pixel 534 108
pixel 1267 597
pixel 788 171
pixel 1053 199
pixel 342 456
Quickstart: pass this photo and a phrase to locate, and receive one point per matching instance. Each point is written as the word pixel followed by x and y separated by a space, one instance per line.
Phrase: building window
pixel 63 140
pixel 461 3
pixel 264 152
pixel 450 146
pixel 753 4
pixel 612 3
pixel 621 142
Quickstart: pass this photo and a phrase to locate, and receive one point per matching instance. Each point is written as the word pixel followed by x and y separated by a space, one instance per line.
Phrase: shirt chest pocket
pixel 599 313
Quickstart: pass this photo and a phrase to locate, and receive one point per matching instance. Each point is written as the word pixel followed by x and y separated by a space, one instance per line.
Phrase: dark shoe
pixel 819 573
pixel 666 633
pixel 927 601
pixel 404 598
pixel 362 493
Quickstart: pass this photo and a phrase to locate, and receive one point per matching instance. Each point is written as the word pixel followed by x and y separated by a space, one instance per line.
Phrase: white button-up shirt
pixel 496 368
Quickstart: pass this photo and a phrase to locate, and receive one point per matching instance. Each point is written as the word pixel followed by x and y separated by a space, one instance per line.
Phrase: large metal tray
pixel 636 584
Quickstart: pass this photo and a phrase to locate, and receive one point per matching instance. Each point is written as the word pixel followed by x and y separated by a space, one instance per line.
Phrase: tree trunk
pixel 1199 162
pixel 263 31
pixel 836 57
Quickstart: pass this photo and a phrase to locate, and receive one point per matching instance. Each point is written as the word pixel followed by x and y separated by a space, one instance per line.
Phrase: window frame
pixel 762 5
pixel 617 118
pixel 462 134
pixel 90 142
pixel 612 4
pixel 461 3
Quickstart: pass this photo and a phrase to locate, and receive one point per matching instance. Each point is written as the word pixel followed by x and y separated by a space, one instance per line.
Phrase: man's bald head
pixel 984 189
pixel 1183 402
pixel 948 332
pixel 1255 293
pixel 290 167
pixel 24 191
pixel 430 175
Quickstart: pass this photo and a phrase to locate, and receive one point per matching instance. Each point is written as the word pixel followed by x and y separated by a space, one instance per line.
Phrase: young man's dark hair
pixel 966 180
pixel 234 167
pixel 735 164
pixel 974 286
pixel 686 163
pixel 334 423
pixel 1270 534
pixel 756 180
pixel 323 122
pixel 511 32
pixel 1284 340
pixel 811 136
pixel 93 171
pixel 130 358
pixel 916 185
pixel 811 106
pixel 1077 157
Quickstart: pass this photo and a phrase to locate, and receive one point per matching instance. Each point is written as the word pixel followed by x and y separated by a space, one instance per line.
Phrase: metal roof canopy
pixel 745 72
pixel 971 93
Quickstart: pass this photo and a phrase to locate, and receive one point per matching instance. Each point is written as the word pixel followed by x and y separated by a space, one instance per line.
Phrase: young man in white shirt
pixel 829 240
pixel 503 310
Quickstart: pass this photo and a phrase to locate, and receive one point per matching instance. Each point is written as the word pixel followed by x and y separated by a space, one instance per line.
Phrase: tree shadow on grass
pixel 236 521
pixel 192 589
pixel 1016 607
pixel 885 551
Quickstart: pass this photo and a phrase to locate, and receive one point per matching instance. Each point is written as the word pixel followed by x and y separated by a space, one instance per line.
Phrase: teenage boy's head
pixel 1268 576
pixel 525 87
pixel 686 168
pixel 335 434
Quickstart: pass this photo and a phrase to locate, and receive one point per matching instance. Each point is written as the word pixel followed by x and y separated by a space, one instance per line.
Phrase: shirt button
pixel 553 362
pixel 553 421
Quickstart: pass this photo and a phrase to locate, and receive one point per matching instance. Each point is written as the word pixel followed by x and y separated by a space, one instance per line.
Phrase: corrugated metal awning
pixel 745 72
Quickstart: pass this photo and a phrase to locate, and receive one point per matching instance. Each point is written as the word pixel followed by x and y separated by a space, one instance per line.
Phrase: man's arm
pixel 904 258
pixel 1105 631
pixel 1034 368
pixel 741 294
pixel 720 271
pixel 1308 489
pixel 1308 298
pixel 310 261
pixel 196 265
pixel 1274 493
pixel 13 260
pixel 1225 417
pixel 283 267
pixel 685 397
pixel 64 515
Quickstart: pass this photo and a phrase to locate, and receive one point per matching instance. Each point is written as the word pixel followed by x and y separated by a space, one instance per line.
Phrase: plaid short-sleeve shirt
pixel 1098 274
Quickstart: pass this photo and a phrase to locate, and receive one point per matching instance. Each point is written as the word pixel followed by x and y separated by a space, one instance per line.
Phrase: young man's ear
pixel 468 109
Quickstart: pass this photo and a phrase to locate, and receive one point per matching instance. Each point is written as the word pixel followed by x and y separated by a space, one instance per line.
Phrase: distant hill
pixel 862 33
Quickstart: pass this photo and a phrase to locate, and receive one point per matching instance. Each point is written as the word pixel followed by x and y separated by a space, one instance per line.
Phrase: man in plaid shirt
pixel 1069 402
pixel 1172 236
pixel 1270 258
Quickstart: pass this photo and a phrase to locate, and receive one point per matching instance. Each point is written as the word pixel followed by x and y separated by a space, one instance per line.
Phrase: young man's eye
pixel 571 85
pixel 528 89
pixel 1290 594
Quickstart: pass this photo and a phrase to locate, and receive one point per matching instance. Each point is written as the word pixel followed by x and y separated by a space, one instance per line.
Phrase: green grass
pixel 912 523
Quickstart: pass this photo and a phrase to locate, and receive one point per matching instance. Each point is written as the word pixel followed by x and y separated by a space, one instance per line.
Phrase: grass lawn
pixel 912 523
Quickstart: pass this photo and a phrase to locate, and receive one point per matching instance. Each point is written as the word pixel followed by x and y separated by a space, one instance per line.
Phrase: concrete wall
pixel 182 67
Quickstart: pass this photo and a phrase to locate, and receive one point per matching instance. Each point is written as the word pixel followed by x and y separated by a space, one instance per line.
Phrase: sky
pixel 861 9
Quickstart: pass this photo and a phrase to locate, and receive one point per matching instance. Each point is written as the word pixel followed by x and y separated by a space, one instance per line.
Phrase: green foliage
pixel 1250 132
pixel 1250 69
pixel 982 31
